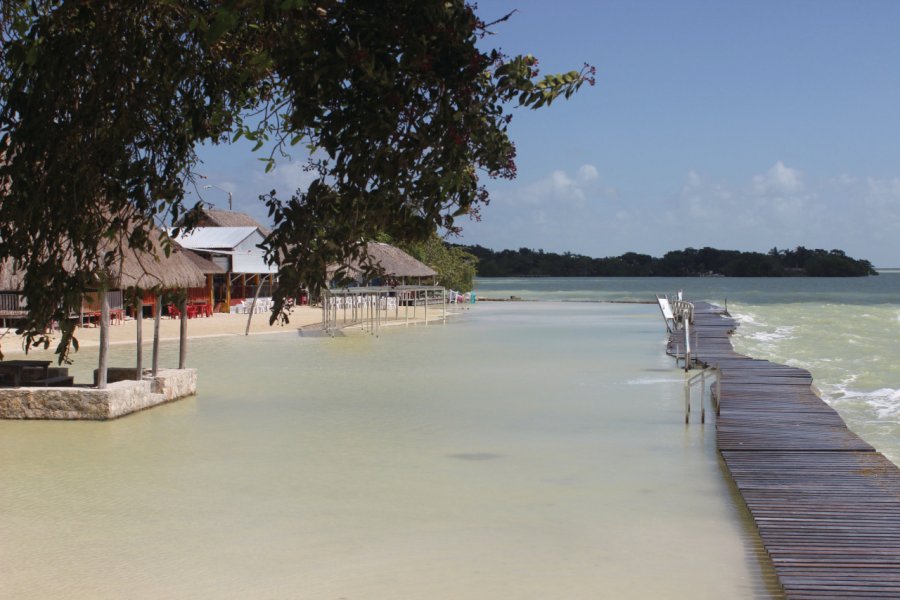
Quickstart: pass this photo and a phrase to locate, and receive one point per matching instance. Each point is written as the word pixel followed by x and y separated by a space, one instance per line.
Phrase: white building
pixel 237 250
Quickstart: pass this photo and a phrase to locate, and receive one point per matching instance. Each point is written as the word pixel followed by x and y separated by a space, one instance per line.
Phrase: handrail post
pixel 702 395
pixel 718 390
pixel 687 346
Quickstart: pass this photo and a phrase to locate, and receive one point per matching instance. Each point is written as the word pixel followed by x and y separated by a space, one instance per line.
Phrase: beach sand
pixel 218 325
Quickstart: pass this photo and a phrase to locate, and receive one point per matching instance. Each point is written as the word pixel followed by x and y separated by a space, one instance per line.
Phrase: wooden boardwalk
pixel 826 504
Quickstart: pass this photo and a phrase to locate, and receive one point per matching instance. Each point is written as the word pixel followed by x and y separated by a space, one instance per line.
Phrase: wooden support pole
pixel 139 319
pixel 182 338
pixel 104 339
pixel 228 291
pixel 156 314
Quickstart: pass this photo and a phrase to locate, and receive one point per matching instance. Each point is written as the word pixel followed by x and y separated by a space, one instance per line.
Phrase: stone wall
pixel 118 399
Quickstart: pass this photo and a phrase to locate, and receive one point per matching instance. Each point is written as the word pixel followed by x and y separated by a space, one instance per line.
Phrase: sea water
pixel 523 451
pixel 845 331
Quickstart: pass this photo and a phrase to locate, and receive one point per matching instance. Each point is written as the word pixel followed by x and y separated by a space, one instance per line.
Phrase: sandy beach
pixel 218 325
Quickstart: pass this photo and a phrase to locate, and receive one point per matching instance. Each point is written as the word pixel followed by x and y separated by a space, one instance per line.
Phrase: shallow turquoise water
pixel 527 450
pixel 843 330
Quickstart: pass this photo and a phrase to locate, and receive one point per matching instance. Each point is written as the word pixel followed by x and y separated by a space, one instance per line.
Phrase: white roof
pixel 208 238
pixel 251 262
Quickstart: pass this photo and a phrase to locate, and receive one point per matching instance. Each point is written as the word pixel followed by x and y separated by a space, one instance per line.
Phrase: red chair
pixel 173 312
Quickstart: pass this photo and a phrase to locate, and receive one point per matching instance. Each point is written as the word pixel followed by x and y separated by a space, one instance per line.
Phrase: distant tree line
pixel 690 262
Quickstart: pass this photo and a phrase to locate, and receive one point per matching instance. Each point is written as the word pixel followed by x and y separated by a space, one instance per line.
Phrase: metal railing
pixel 371 307
pixel 683 313
pixel 713 390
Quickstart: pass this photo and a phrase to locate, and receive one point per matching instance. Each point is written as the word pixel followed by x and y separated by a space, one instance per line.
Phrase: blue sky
pixel 740 126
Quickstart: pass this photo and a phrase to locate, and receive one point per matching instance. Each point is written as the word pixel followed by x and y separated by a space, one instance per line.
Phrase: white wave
pixel 884 401
pixel 785 332
pixel 751 319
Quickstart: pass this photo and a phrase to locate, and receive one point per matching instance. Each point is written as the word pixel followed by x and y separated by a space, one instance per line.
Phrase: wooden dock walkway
pixel 826 504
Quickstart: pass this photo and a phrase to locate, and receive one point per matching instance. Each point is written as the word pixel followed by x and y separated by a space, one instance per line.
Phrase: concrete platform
pixel 80 403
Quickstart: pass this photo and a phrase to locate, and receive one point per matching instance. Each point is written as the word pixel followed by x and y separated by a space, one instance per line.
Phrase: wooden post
pixel 210 288
pixel 228 291
pixel 156 314
pixel 104 338
pixel 139 319
pixel 182 338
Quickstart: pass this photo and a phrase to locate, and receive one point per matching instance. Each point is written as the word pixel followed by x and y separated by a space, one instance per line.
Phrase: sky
pixel 741 126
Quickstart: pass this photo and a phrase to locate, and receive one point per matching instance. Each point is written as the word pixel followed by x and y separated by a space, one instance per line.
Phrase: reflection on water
pixel 525 451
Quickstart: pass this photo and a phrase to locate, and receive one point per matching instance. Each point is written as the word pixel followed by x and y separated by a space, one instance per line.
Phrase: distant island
pixel 690 262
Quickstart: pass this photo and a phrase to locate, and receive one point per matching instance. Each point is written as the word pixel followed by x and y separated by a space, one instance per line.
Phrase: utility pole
pixel 209 187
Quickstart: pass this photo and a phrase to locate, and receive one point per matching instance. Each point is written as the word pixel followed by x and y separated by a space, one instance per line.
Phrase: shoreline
pixel 220 325
pixel 520 299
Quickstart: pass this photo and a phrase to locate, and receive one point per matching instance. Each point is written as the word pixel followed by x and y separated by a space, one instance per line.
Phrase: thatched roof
pixel 212 217
pixel 390 261
pixel 206 266
pixel 138 269
pixel 146 271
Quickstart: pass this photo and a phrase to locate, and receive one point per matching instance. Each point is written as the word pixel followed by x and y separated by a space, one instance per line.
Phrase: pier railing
pixel 712 390
pixel 681 314
pixel 372 307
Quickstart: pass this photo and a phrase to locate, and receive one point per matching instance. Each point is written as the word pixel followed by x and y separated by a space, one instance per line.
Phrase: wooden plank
pixel 825 503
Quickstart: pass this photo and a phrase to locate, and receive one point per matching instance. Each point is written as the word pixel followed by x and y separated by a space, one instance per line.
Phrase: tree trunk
pixel 252 309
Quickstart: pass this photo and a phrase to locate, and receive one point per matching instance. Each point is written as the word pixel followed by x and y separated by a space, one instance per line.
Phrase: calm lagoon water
pixel 526 450
pixel 843 330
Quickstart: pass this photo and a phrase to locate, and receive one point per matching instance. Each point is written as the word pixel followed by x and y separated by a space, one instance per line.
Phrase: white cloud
pixel 780 179
pixel 581 211
pixel 286 178
pixel 588 173
pixel 561 190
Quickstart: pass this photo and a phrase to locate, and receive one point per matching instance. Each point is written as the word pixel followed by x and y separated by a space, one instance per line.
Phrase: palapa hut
pixel 392 265
pixel 138 273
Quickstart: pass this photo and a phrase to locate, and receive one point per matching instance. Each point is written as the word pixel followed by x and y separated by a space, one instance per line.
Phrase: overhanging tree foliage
pixel 102 105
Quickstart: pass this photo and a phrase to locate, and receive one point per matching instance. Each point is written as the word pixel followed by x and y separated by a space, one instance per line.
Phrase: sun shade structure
pixel 147 271
pixel 139 271
pixel 390 262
